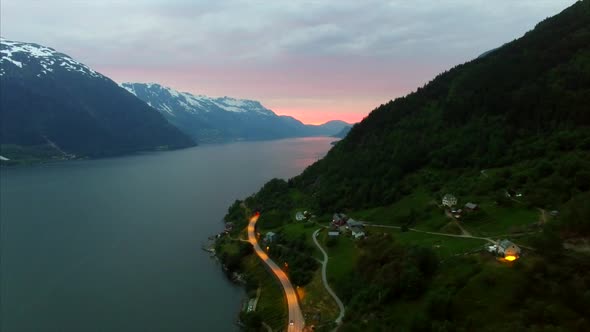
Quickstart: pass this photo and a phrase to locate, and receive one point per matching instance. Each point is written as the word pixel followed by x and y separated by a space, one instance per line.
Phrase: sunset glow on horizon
pixel 315 61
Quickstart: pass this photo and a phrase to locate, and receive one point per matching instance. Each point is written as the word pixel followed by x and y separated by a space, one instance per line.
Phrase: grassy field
pixel 387 215
pixel 496 220
pixel 272 304
pixel 342 257
pixel 297 229
pixel 317 304
pixel 445 246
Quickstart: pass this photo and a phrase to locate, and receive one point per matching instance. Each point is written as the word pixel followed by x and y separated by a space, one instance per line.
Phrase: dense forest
pixel 525 101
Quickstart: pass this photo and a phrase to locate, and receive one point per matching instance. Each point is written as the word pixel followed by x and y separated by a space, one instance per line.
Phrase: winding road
pixel 296 320
pixel 325 279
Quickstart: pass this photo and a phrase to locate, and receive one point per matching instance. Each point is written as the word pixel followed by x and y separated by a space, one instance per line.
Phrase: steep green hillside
pixel 527 100
pixel 509 131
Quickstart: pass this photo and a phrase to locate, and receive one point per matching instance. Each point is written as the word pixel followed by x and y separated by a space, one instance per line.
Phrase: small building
pixel 471 206
pixel 508 250
pixel 353 223
pixel 229 226
pixel 554 213
pixel 333 233
pixel 339 219
pixel 357 232
pixel 270 237
pixel 299 216
pixel 449 200
pixel 493 249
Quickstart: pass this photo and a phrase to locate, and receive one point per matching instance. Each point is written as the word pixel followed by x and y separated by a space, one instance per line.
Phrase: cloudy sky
pixel 315 60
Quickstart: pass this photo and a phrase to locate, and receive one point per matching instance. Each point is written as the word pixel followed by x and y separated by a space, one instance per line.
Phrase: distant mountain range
pixel 52 106
pixel 209 119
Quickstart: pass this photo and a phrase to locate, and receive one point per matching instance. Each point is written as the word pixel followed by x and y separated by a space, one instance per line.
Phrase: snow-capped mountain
pixel 55 106
pixel 172 101
pixel 210 119
pixel 18 56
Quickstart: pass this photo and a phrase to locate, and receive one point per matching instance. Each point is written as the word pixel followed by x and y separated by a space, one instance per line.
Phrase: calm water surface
pixel 114 244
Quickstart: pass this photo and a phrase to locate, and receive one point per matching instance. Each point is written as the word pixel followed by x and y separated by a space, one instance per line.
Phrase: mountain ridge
pixel 215 119
pixel 53 106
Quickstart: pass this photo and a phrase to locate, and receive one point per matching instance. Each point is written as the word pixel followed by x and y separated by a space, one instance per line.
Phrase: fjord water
pixel 115 244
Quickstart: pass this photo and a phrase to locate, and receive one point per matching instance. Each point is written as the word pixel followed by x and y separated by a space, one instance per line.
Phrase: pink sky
pixel 319 90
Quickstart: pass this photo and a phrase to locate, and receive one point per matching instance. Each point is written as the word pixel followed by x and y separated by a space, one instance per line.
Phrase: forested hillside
pixel 510 131
pixel 527 100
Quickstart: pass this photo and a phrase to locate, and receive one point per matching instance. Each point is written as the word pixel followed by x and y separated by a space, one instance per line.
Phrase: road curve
pixel 295 314
pixel 325 279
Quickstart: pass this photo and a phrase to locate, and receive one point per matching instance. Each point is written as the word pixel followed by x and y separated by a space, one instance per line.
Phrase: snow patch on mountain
pixel 23 55
pixel 169 100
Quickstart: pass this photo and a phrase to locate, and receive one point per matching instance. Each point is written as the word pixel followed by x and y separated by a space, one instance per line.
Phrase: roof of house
pixel 338 216
pixel 471 205
pixel 353 223
pixel 332 233
pixel 505 244
pixel 449 196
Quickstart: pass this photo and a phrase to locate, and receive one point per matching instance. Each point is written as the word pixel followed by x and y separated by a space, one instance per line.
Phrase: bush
pixel 439 305
pixel 252 320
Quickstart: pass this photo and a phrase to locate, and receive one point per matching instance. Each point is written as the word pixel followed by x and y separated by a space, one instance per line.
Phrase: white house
pixel 299 216
pixel 357 232
pixel 449 200
pixel 507 248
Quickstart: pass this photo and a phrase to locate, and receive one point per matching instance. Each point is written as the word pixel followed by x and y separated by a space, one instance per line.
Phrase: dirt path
pixel 468 236
pixel 463 230
pixel 325 279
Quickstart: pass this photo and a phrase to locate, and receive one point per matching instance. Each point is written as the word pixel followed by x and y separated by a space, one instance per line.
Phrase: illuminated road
pixel 295 314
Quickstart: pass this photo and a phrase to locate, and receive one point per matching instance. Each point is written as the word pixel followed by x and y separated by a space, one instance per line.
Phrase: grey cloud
pixel 163 32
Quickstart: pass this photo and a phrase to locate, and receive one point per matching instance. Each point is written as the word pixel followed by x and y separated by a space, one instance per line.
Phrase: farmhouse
pixel 357 232
pixel 449 200
pixel 339 219
pixel 508 250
